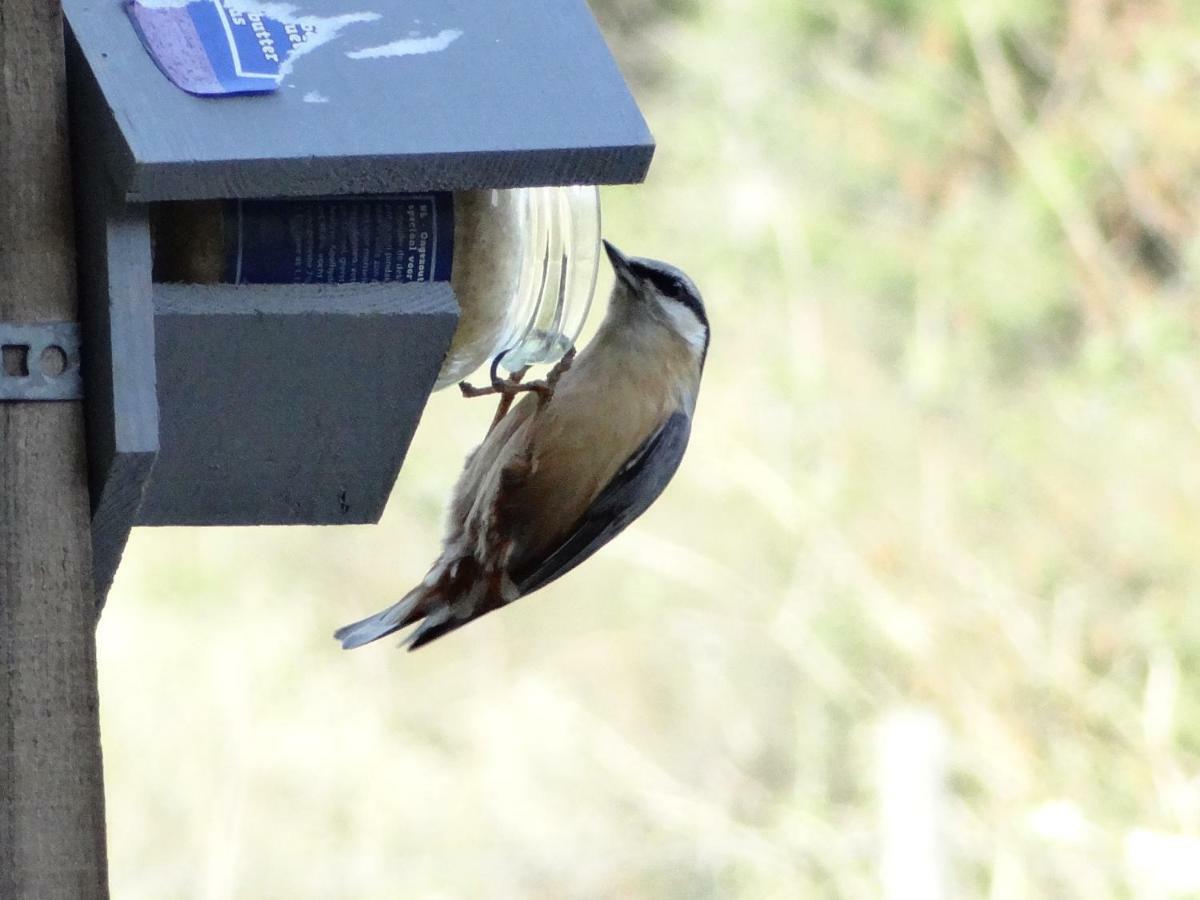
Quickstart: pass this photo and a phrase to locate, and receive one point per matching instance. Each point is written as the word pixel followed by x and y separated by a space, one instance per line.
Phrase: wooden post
pixel 51 782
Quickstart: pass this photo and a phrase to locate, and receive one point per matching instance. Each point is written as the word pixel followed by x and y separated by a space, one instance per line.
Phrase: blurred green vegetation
pixel 947 460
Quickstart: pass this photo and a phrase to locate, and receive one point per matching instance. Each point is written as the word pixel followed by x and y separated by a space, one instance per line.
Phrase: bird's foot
pixel 545 386
pixel 505 387
pixel 560 369
pixel 508 388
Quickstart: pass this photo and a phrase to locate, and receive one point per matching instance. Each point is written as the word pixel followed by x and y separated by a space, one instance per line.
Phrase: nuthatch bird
pixel 562 473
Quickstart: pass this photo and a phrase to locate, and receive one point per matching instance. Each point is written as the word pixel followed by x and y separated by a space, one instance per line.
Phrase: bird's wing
pixel 635 486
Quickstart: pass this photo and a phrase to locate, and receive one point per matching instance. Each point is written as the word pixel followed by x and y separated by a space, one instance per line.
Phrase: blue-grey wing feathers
pixel 636 485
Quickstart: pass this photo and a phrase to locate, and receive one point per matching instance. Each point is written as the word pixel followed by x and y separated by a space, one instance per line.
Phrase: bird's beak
pixel 620 263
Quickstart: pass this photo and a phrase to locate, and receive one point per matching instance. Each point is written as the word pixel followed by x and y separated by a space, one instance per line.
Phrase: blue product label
pixel 401 237
pixel 206 47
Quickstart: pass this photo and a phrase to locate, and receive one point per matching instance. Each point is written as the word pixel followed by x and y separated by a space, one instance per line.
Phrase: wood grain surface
pixel 51 785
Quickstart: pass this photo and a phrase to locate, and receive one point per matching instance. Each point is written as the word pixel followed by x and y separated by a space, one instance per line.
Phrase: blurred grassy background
pixel 929 574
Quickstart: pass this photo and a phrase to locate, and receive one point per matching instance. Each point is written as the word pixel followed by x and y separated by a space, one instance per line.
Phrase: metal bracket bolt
pixel 40 361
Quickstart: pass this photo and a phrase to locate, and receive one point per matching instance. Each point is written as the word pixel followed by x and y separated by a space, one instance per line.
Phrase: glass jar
pixel 522 262
pixel 526 279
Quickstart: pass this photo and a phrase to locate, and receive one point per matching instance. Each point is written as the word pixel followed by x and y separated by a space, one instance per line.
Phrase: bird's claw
pixel 503 386
pixel 545 387
pixel 560 368
pixel 509 387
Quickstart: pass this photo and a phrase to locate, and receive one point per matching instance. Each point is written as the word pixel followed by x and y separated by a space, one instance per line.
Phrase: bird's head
pixel 664 292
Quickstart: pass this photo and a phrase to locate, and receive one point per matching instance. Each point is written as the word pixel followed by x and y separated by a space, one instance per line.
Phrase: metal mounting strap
pixel 40 361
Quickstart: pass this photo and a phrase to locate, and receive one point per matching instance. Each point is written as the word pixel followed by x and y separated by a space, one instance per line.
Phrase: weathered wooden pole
pixel 52 839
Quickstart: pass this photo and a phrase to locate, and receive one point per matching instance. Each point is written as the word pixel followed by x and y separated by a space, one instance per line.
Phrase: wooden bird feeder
pixel 219 404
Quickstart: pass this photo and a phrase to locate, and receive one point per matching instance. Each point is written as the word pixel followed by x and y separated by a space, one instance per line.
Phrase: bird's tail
pixel 413 606
pixel 452 594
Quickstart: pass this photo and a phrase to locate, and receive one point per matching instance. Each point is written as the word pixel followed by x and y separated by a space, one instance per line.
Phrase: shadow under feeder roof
pixel 295 404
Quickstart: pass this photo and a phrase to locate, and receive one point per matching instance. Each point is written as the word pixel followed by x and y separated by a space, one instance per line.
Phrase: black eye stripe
pixel 673 287
pixel 667 284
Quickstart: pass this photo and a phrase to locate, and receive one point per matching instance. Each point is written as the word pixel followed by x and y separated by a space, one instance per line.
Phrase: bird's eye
pixel 669 284
pixel 666 285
